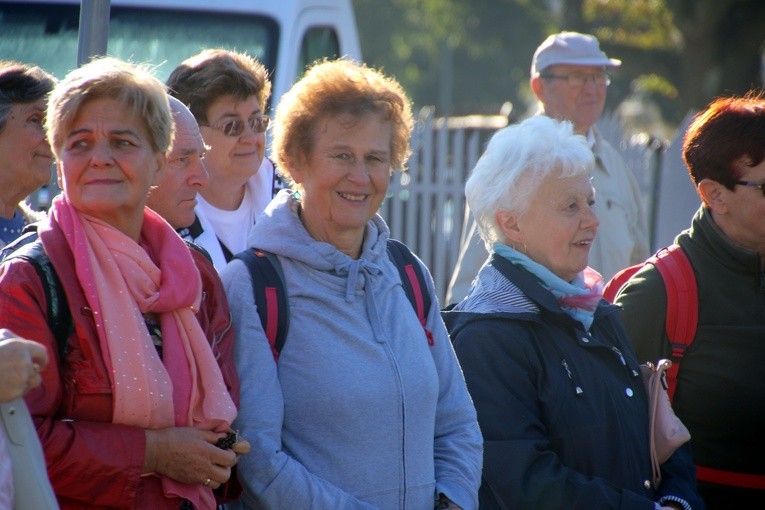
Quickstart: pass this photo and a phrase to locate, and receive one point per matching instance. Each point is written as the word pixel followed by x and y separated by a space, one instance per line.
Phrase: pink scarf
pixel 121 282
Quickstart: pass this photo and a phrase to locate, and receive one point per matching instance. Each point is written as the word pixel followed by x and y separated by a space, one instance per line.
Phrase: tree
pixel 470 56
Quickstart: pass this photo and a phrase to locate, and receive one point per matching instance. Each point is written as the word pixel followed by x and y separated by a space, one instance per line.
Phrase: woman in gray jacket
pixel 362 410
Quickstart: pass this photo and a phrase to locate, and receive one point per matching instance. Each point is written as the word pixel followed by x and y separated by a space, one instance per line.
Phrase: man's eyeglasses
pixel 760 186
pixel 235 127
pixel 578 80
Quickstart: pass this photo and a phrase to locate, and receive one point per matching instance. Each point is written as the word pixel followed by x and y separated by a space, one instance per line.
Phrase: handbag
pixel 666 432
pixel 30 476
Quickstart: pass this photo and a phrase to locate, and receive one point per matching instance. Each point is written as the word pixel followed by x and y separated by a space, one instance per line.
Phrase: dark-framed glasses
pixel 235 127
pixel 578 80
pixel 760 186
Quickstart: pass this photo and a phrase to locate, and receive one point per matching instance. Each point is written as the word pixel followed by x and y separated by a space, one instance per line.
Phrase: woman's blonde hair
pixel 134 86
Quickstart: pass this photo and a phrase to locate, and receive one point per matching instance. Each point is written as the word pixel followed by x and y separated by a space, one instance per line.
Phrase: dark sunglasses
pixel 235 127
pixel 760 186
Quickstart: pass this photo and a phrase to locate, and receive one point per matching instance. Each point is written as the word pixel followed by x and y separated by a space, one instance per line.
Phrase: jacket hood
pixel 491 295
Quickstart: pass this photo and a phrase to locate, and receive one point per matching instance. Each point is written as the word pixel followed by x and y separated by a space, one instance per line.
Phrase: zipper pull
pixel 577 389
pixel 620 355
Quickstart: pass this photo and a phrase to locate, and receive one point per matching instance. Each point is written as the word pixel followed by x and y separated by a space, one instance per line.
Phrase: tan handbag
pixel 666 432
pixel 30 476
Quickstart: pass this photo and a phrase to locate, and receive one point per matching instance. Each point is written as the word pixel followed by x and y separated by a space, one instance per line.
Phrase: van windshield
pixel 46 35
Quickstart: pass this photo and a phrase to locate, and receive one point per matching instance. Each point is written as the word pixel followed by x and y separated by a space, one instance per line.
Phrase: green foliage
pixel 471 56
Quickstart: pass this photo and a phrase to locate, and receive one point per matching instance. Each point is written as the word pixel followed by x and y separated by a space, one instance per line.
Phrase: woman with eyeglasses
pixel 227 92
pixel 720 385
pixel 141 384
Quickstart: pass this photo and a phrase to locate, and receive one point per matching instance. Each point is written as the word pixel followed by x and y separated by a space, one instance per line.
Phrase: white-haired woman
pixel 554 380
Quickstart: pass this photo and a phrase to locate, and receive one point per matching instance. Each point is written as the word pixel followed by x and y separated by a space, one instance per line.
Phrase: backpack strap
pixel 617 281
pixel 270 297
pixel 413 282
pixel 268 289
pixel 198 248
pixel 59 316
pixel 682 305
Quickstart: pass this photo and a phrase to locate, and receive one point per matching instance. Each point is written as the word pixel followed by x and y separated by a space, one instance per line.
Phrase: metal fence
pixel 425 206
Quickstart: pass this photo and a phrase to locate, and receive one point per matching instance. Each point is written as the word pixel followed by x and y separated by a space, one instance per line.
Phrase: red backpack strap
pixel 682 305
pixel 413 281
pixel 616 282
pixel 270 295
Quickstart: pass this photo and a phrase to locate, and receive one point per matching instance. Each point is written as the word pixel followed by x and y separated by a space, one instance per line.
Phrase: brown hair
pixel 21 83
pixel 213 73
pixel 727 135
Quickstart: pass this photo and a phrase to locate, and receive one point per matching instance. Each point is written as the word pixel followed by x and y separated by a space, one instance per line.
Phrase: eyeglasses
pixel 760 186
pixel 235 127
pixel 578 80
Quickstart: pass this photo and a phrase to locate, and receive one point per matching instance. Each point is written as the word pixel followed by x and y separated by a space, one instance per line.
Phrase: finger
pixel 34 380
pixel 39 354
pixel 218 476
pixel 210 436
pixel 224 458
pixel 241 447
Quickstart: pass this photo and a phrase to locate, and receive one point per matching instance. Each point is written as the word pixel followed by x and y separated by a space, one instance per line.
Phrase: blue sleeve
pixel 678 479
pixel 270 477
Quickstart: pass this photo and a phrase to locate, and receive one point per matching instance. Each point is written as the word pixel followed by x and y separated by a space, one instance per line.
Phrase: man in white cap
pixel 569 77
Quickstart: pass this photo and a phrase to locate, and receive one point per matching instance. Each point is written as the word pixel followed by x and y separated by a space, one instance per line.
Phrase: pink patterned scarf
pixel 121 282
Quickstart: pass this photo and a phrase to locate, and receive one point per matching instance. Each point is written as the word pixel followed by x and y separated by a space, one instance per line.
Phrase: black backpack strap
pixel 270 295
pixel 413 281
pixel 198 248
pixel 59 316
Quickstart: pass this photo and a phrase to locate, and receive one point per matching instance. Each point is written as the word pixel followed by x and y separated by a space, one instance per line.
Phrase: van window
pixel 46 35
pixel 318 42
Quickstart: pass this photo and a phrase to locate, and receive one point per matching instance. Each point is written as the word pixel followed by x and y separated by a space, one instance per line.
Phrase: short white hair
pixel 516 160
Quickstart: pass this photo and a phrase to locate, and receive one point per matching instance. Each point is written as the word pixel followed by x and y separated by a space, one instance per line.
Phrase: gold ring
pixel 207 482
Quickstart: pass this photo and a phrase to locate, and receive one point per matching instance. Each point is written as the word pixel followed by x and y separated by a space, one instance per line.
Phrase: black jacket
pixel 563 411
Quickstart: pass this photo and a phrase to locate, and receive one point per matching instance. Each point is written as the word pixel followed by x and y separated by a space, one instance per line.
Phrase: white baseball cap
pixel 570 48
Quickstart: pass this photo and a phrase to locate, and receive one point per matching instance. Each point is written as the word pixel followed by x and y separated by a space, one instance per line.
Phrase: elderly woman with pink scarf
pixel 130 410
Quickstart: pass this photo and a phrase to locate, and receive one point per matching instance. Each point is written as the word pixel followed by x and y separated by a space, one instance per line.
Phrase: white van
pixel 285 35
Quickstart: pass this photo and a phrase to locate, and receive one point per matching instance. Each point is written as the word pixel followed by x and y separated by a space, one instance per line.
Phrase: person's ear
pixel 714 195
pixel 159 164
pixel 297 163
pixel 535 84
pixel 59 175
pixel 507 222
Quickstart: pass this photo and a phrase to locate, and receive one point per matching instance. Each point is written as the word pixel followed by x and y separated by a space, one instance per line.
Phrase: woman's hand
pixel 20 365
pixel 188 455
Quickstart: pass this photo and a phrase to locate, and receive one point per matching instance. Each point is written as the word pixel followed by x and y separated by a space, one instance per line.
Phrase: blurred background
pixel 473 56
